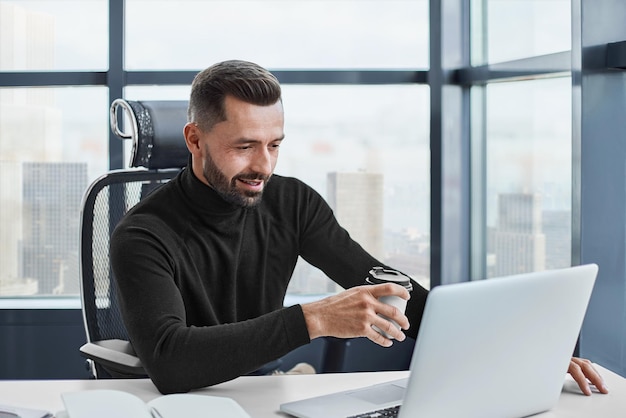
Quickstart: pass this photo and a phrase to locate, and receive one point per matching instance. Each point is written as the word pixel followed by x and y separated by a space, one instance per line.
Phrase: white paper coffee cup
pixel 379 275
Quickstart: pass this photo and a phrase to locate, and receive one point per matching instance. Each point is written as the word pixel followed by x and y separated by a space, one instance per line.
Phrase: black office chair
pixel 158 154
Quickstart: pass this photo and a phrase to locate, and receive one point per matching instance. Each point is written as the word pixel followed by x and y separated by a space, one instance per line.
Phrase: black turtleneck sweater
pixel 202 282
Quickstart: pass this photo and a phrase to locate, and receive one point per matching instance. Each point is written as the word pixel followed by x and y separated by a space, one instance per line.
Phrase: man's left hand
pixel 583 372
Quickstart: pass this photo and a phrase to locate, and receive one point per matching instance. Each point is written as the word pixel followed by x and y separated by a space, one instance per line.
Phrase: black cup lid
pixel 379 275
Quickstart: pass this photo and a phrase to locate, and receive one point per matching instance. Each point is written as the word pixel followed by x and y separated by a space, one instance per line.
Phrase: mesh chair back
pixel 107 201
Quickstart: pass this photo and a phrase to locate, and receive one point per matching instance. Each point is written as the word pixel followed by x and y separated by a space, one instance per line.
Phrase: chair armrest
pixel 116 355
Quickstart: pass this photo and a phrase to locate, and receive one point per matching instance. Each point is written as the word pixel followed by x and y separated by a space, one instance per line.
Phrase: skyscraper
pixel 52 194
pixel 357 200
pixel 557 227
pixel 518 242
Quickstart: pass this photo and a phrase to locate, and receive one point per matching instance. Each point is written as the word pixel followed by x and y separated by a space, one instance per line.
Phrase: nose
pixel 263 162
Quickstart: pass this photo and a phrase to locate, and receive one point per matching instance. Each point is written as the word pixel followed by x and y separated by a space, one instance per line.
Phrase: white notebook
pixel 103 403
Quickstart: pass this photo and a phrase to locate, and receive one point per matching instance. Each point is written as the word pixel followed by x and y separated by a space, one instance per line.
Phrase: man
pixel 203 263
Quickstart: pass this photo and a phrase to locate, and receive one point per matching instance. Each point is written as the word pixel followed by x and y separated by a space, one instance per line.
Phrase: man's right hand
pixel 353 312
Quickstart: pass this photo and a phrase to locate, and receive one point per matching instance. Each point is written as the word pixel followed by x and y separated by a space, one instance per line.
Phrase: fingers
pixel 583 372
pixel 390 312
pixel 389 322
pixel 357 312
pixel 592 374
pixel 578 375
pixel 387 328
pixel 389 289
pixel 376 337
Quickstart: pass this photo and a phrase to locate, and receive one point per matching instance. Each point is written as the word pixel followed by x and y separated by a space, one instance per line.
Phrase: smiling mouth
pixel 251 185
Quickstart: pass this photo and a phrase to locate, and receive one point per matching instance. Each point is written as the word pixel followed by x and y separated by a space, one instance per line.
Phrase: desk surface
pixel 260 396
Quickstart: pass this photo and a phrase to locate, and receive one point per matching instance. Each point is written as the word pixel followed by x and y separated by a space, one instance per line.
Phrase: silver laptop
pixel 490 348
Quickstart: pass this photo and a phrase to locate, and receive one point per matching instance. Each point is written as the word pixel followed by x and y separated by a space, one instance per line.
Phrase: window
pixel 364 146
pixel 279 34
pixel 528 167
pixel 514 29
pixel 54 139
pixel 522 137
pixel 52 147
pixel 53 35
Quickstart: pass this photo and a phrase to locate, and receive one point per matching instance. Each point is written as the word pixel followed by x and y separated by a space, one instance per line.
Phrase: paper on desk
pixel 192 406
pixel 26 412
pixel 105 403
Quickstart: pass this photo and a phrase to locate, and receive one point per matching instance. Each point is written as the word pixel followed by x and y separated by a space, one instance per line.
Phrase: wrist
pixel 311 320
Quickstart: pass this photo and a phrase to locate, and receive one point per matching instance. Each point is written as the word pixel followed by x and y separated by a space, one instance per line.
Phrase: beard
pixel 227 189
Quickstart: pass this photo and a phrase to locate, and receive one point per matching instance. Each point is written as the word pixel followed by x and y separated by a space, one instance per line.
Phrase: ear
pixel 192 138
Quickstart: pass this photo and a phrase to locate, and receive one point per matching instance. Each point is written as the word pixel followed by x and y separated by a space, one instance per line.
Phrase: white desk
pixel 260 396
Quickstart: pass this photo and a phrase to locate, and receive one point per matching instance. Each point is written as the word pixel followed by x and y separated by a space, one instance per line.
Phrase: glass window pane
pixel 528 163
pixel 278 33
pixel 514 29
pixel 52 146
pixel 369 143
pixel 178 92
pixel 53 35
pixel 365 144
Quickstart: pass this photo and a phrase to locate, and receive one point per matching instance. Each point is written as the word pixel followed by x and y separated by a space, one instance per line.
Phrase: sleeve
pixel 329 247
pixel 178 357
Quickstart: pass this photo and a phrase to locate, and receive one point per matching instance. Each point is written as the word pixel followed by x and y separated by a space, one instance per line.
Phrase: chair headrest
pixel 156 129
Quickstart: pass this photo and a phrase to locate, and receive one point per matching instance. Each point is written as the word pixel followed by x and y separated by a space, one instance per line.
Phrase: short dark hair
pixel 243 80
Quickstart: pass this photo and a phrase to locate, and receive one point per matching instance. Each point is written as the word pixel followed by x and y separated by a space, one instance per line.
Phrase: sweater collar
pixel 203 196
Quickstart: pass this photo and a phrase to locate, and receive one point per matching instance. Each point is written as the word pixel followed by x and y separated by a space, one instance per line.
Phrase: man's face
pixel 238 155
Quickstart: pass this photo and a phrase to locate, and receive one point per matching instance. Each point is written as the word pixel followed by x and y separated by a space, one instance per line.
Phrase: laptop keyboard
pixel 381 413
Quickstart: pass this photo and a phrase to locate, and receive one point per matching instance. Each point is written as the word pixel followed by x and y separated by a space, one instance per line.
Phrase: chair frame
pixel 107 357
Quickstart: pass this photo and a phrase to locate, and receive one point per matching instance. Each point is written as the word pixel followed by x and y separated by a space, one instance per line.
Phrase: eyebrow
pixel 255 141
